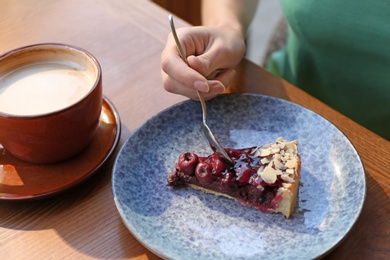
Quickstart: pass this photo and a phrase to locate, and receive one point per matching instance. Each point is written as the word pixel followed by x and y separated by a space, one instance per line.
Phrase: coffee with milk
pixel 43 87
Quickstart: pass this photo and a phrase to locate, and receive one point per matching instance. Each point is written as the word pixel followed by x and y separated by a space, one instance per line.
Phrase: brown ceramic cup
pixel 32 128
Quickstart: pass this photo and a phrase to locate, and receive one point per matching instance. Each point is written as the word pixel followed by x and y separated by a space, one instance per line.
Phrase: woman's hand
pixel 211 52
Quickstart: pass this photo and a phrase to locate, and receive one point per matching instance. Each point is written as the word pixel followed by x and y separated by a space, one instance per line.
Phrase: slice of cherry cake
pixel 265 177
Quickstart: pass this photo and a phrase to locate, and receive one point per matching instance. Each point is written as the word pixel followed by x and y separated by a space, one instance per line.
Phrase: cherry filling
pixel 239 180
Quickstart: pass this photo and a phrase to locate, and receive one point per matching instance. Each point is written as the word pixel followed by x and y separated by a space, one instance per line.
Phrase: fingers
pixel 180 78
pixel 224 50
pixel 176 73
pixel 210 62
pixel 215 87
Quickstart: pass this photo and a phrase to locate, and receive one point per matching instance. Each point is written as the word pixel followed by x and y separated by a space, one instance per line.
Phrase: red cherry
pixel 203 173
pixel 187 163
pixel 228 184
pixel 244 172
pixel 218 164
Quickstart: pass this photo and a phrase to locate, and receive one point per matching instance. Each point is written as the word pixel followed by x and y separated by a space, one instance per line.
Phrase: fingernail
pixel 201 86
pixel 216 86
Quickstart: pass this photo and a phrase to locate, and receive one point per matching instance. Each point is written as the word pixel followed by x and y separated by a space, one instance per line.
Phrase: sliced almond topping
pixel 290 151
pixel 281 159
pixel 290 171
pixel 265 146
pixel 269 174
pixel 260 170
pixel 265 152
pixel 291 163
pixel 277 157
pixel 287 178
pixel 291 146
pixel 282 145
pixel 265 160
pixel 279 165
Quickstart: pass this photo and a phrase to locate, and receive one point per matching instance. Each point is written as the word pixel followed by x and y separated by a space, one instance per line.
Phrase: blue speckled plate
pixel 188 224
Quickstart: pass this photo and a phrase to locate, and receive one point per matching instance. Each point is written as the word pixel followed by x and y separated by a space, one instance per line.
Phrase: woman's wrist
pixel 235 14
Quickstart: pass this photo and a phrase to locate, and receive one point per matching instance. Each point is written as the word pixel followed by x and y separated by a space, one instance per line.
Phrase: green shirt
pixel 339 52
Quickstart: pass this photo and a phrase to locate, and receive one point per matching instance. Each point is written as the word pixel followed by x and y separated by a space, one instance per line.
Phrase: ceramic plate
pixel 188 224
pixel 21 180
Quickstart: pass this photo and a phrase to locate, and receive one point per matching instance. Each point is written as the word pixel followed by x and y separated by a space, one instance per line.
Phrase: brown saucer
pixel 20 180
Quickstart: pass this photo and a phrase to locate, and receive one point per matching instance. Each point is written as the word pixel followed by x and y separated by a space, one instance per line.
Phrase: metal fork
pixel 214 144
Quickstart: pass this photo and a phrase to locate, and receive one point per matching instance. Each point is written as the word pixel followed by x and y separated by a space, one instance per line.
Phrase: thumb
pixel 205 64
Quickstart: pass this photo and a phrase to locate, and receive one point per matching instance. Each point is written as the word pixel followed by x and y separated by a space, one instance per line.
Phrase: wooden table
pixel 127 37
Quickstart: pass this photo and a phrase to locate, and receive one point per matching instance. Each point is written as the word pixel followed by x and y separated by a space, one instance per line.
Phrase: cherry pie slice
pixel 266 177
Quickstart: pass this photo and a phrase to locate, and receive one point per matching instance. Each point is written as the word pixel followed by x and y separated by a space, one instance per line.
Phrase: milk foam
pixel 41 88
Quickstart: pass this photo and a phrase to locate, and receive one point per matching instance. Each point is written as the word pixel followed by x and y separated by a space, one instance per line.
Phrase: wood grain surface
pixel 127 38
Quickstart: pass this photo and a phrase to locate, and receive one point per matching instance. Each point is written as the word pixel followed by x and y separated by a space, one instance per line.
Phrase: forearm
pixel 236 14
